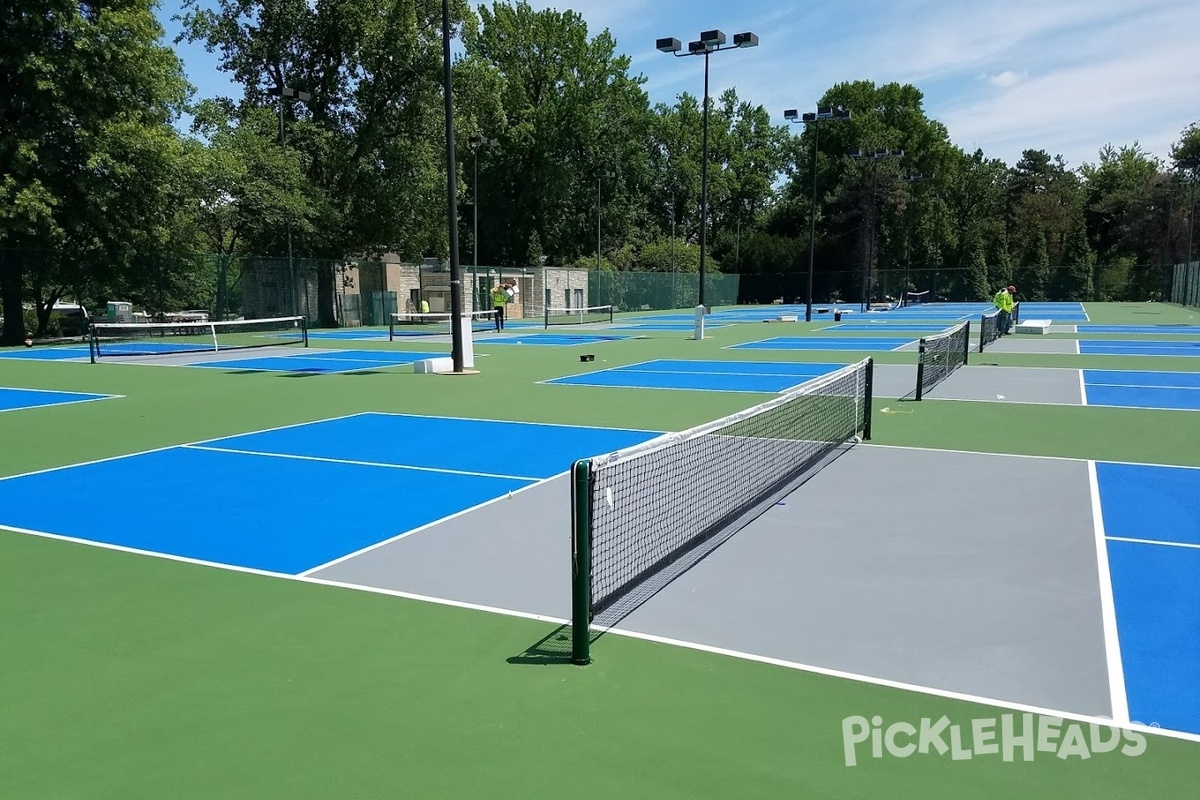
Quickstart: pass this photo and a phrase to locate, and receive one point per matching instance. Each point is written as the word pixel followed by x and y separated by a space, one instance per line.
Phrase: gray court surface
pixel 966 572
pixel 1011 385
pixel 1031 343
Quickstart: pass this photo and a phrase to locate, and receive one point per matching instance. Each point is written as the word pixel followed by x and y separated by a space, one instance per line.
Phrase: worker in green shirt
pixel 499 300
pixel 1003 301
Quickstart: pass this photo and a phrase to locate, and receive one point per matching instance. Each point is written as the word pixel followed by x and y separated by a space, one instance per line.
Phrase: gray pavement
pixel 1031 343
pixel 1011 385
pixel 967 572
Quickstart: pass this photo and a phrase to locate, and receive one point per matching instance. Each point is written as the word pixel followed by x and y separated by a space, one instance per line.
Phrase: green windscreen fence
pixel 1185 284
pixel 656 291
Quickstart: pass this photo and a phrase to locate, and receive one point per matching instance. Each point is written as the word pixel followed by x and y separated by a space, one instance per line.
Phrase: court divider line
pixel 171 447
pixel 420 528
pixel 1048 403
pixel 1159 542
pixel 1108 609
pixel 1144 386
pixel 555 382
pixel 1082 390
pixel 1027 455
pixel 352 462
pixel 483 419
pixel 648 637
pixel 56 405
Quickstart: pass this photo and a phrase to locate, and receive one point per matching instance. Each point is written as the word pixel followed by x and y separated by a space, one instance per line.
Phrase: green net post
pixel 967 344
pixel 581 561
pixel 920 367
pixel 92 345
pixel 304 330
pixel 868 393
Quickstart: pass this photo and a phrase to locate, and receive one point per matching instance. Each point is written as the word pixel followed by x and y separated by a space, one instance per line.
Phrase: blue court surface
pixel 884 327
pixel 664 326
pixel 291 499
pixel 709 376
pixel 551 339
pixel 46 353
pixel 1133 389
pixel 856 343
pixel 350 333
pixel 1152 529
pixel 1138 347
pixel 17 399
pixel 1162 330
pixel 321 361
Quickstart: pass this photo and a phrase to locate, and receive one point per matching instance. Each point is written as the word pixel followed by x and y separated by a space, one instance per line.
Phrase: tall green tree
pixel 572 114
pixel 87 98
pixel 372 135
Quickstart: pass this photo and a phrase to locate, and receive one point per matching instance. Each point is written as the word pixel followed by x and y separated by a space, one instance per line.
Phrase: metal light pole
pixel 874 157
pixel 1192 164
pixel 456 304
pixel 604 173
pixel 911 178
pixel 827 112
pixel 477 141
pixel 284 92
pixel 709 42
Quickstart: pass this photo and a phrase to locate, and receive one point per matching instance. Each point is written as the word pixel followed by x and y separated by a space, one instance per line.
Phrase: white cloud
pixel 1005 79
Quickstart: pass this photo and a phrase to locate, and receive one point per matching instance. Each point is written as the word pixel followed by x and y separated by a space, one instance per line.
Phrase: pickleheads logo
pixel 1009 737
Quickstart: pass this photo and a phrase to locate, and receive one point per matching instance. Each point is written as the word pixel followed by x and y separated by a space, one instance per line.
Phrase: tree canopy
pixel 101 183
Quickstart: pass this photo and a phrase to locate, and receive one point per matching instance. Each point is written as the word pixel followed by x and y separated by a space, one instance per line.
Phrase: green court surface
pixel 126 676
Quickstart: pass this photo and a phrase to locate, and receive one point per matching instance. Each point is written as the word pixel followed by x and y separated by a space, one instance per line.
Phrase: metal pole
pixel 704 185
pixel 1191 223
pixel 456 303
pixel 812 221
pixel 871 241
pixel 475 233
pixel 598 266
pixel 288 220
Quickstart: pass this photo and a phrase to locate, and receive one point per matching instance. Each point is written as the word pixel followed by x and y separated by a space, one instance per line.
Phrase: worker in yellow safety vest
pixel 1003 301
pixel 499 300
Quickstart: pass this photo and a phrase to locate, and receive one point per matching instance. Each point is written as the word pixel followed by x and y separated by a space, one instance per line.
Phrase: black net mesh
pixel 989 326
pixel 578 316
pixel 659 508
pixel 940 355
pixel 437 324
pixel 166 338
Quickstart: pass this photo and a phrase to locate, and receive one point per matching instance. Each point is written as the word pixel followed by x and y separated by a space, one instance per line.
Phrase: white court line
pixel 1144 386
pixel 807 668
pixel 1108 608
pixel 1160 543
pixel 558 382
pixel 166 447
pixel 1077 350
pixel 426 526
pixel 56 405
pixel 505 421
pixel 1025 455
pixel 833 368
pixel 1082 389
pixel 351 462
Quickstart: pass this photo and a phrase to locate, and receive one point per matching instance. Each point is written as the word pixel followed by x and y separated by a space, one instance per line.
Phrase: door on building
pixel 577 297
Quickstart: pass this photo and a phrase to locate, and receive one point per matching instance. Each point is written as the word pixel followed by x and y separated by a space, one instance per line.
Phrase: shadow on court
pixel 553 648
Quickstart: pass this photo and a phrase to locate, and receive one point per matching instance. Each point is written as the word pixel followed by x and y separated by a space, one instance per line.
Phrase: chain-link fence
pixel 654 291
pixel 1103 283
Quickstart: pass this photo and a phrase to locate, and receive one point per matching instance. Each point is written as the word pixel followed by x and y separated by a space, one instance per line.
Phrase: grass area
pixel 126 676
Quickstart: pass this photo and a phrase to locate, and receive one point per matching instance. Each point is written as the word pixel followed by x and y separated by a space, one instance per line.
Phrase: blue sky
pixel 1066 76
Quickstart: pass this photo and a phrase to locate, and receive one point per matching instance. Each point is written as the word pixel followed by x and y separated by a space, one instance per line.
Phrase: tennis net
pixel 989 325
pixel 645 515
pixel 437 324
pixel 940 355
pixel 108 339
pixel 578 316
